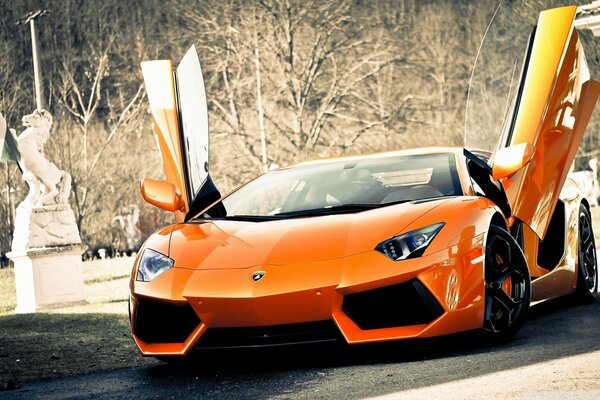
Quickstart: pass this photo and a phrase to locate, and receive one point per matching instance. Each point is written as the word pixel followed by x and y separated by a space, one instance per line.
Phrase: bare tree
pixel 13 102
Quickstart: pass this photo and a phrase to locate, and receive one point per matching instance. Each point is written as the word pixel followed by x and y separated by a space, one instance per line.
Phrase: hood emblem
pixel 258 275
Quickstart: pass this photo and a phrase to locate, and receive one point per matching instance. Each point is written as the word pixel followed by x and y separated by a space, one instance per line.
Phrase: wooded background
pixel 336 77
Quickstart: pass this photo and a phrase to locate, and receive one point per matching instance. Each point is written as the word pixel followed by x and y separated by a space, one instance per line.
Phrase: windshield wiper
pixel 249 218
pixel 341 209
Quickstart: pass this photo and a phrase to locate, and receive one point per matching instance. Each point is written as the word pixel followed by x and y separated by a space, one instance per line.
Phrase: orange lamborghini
pixel 406 244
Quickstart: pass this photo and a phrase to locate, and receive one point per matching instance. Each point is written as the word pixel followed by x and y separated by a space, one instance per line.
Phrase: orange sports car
pixel 406 244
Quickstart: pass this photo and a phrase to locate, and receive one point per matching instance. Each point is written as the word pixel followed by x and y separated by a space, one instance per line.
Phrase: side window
pixel 194 119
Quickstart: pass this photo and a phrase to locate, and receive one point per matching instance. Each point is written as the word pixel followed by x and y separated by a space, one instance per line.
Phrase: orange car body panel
pixel 557 102
pixel 562 279
pixel 311 285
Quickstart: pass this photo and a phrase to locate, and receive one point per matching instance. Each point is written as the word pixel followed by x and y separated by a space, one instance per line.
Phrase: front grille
pixel 274 335
pixel 162 322
pixel 404 304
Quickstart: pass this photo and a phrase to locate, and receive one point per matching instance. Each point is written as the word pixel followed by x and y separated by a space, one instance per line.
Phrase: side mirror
pixel 509 160
pixel 162 195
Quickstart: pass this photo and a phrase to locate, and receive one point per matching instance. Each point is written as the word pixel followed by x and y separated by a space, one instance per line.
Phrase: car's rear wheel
pixel 587 265
pixel 507 286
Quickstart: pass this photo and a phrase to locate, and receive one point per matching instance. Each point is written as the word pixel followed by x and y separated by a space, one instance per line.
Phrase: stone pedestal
pixel 42 227
pixel 46 251
pixel 48 277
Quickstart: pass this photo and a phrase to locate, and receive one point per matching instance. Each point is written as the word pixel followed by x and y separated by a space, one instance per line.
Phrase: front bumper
pixel 361 298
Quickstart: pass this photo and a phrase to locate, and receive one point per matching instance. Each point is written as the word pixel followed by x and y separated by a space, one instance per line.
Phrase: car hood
pixel 223 244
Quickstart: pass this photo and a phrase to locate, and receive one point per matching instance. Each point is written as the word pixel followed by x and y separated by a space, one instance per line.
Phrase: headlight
pixel 152 264
pixel 409 245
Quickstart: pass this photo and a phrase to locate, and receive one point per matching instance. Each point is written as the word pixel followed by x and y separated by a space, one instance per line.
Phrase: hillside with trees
pixel 321 77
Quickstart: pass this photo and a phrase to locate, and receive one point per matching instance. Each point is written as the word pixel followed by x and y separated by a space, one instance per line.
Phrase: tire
pixel 587 264
pixel 507 286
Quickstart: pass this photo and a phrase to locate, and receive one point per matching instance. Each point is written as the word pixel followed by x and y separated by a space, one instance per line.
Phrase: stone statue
pixel 44 219
pixel 48 185
pixel 46 247
pixel 127 224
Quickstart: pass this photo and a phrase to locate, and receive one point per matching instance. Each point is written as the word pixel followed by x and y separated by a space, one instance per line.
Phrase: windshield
pixel 345 186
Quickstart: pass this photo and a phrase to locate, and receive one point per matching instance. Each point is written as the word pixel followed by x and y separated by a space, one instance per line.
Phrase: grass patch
pixel 40 346
pixel 71 340
pixel 106 283
pixel 8 297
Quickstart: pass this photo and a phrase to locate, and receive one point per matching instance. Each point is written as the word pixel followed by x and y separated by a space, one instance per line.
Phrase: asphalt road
pixel 558 349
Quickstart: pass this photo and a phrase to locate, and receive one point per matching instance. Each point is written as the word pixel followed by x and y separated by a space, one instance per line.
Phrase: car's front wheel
pixel 587 266
pixel 507 286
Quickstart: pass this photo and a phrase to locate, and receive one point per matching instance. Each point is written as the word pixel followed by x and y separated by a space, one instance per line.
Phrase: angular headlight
pixel 409 245
pixel 152 264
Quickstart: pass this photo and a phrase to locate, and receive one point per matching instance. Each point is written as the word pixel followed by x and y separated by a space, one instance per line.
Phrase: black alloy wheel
pixel 507 286
pixel 587 265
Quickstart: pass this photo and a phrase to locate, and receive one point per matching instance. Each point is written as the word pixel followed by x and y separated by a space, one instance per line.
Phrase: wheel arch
pixel 585 202
pixel 498 220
